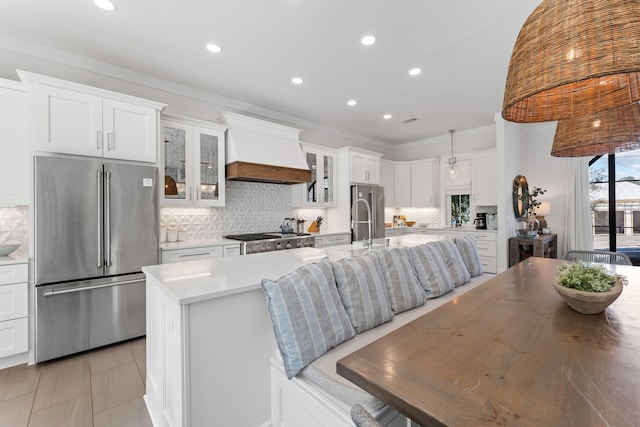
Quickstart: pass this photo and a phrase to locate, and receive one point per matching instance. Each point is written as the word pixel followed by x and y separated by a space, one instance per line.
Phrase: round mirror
pixel 520 196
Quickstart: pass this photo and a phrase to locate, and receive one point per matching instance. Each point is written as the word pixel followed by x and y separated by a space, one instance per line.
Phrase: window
pixel 614 183
pixel 636 222
pixel 460 209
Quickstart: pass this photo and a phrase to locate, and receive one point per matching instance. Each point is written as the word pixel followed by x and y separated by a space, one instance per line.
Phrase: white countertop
pixel 193 281
pixel 466 229
pixel 15 258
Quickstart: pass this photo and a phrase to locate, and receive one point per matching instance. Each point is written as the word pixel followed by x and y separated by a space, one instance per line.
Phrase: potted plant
pixel 588 288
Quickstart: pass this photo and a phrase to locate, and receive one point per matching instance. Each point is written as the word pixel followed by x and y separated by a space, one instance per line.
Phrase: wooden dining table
pixel 511 353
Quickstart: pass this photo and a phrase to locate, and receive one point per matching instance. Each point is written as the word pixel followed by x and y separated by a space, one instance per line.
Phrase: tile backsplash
pixel 429 216
pixel 14 226
pixel 250 207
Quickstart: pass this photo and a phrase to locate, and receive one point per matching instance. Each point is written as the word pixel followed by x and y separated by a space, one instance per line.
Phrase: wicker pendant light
pixel 572 58
pixel 607 132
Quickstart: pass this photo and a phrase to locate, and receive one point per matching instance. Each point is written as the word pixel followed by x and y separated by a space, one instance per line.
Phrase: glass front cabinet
pixel 319 193
pixel 193 162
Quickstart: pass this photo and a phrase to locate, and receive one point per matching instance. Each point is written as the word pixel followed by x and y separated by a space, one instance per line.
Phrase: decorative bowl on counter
pixel 409 223
pixel 7 249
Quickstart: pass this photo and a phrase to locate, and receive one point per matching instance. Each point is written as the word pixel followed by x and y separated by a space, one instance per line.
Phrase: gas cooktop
pixel 263 236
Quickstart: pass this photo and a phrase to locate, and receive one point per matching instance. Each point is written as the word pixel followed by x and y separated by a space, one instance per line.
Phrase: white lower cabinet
pixel 203 252
pixel 231 250
pixel 486 244
pixel 14 320
pixel 333 240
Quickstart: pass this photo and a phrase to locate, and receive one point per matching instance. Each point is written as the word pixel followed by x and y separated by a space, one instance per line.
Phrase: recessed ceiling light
pixel 368 40
pixel 386 116
pixel 297 80
pixel 415 71
pixel 105 5
pixel 351 102
pixel 212 47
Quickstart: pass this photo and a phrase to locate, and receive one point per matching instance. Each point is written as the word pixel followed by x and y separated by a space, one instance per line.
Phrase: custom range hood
pixel 261 151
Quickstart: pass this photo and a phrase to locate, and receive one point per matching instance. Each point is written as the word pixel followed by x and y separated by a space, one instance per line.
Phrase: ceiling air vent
pixel 411 120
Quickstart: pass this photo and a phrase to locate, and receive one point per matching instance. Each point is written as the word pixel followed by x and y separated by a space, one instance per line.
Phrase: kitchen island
pixel 210 339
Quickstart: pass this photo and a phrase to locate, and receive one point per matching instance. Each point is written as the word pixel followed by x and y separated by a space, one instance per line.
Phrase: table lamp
pixel 541 211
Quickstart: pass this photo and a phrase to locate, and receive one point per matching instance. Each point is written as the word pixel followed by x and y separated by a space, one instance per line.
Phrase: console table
pixel 511 353
pixel 521 248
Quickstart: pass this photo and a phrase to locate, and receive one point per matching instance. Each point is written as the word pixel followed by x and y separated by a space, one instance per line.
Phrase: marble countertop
pixel 467 228
pixel 193 281
pixel 15 258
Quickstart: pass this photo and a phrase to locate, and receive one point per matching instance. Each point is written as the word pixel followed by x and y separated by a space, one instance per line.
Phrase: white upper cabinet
pixel 320 192
pixel 484 178
pixel 75 119
pixel 364 166
pixel 411 183
pixel 425 183
pixel 14 143
pixel 193 154
pixel 387 180
pixel 403 185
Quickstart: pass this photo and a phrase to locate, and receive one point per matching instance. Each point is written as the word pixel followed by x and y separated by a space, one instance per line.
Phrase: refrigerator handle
pixel 99 192
pixel 107 219
pixel 373 214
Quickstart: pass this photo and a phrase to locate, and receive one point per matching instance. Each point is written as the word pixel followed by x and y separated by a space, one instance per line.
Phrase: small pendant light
pixel 452 160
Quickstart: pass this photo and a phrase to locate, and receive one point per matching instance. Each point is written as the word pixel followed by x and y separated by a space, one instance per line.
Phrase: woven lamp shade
pixel 572 58
pixel 606 132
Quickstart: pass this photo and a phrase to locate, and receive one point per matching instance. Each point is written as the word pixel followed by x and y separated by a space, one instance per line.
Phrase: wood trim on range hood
pixel 253 172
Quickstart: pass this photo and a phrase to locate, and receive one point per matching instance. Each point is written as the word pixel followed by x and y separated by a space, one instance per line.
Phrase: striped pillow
pixel 469 252
pixel 432 270
pixel 307 315
pixel 402 282
pixel 453 261
pixel 363 291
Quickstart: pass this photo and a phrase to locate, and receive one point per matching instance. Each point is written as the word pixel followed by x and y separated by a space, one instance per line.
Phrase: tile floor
pixel 99 388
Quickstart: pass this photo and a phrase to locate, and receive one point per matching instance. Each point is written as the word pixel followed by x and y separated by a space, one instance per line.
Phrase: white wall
pixel 549 173
pixel 511 147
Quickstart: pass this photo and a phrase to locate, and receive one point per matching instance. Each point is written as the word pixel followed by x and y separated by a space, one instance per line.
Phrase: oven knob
pixel 278 246
pixel 289 245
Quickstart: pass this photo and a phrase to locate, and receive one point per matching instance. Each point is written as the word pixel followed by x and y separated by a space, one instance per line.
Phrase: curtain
pixel 577 224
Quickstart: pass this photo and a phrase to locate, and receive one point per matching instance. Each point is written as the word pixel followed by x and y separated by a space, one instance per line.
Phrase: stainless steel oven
pixel 267 242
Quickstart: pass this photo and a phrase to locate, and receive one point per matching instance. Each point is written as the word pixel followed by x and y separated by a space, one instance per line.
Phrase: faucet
pixel 366 244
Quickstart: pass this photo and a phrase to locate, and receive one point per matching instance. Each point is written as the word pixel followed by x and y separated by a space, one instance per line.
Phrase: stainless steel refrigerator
pixel 374 195
pixel 96 225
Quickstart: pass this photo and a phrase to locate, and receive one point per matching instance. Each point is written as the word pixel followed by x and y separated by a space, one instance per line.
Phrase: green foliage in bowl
pixel 587 277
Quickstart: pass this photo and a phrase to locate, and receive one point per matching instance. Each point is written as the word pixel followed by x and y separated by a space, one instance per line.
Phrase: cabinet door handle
pixel 99 140
pixel 189 193
pixel 198 254
pixel 110 143
pixel 99 192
